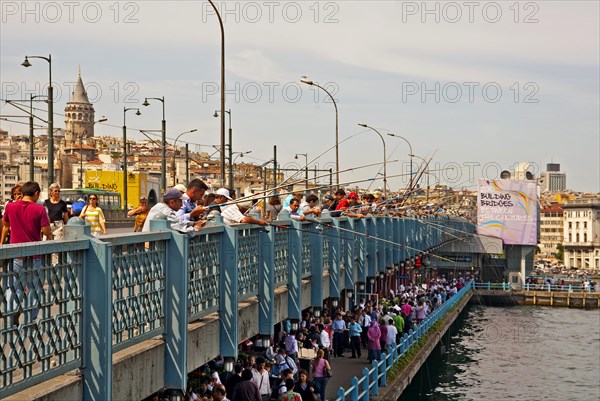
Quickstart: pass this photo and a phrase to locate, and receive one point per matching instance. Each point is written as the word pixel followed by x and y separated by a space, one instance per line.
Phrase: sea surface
pixel 514 353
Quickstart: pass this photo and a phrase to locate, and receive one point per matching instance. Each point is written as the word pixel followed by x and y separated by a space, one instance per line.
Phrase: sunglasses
pixel 93 198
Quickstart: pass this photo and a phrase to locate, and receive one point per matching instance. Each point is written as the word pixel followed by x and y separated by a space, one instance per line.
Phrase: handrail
pixel 534 287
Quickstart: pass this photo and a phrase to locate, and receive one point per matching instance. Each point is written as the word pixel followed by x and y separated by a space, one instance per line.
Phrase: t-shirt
pixel 342 204
pixel 56 210
pixel 26 221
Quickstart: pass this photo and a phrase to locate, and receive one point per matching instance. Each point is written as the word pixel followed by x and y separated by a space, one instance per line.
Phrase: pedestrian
pixel 260 377
pixel 190 210
pixel 94 217
pixel 294 210
pixel 57 212
pixel 25 220
pixel 246 390
pixel 219 393
pixel 374 347
pixel 273 208
pixel 354 331
pixel 305 387
pixel 15 195
pixel 320 373
pixel 339 327
pixel 140 213
pixel 167 209
pixel 290 394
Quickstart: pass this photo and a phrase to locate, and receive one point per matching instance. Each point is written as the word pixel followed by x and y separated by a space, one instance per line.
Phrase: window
pixel 570 225
pixel 585 225
pixel 584 237
pixel 577 237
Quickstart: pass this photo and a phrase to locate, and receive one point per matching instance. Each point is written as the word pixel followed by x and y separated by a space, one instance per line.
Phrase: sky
pixel 477 86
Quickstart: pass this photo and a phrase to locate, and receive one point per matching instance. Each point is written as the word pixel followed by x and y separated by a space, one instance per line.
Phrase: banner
pixel 508 210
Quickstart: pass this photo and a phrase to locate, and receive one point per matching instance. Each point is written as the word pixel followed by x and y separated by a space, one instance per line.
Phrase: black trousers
pixel 355 346
pixel 338 343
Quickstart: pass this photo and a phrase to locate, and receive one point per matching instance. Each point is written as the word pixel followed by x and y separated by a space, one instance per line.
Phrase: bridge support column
pixel 371 252
pixel 349 257
pixel 176 285
pixel 97 321
pixel 228 295
pixel 295 272
pixel 335 260
pixel 316 267
pixel 266 283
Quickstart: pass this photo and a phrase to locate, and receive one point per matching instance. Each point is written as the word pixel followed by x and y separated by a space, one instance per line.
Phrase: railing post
pixel 383 371
pixel 228 294
pixel 361 251
pixel 371 251
pixel 354 395
pixel 489 286
pixel 266 282
pixel 97 321
pixel 365 373
pixel 375 377
pixel 295 272
pixel 349 256
pixel 176 283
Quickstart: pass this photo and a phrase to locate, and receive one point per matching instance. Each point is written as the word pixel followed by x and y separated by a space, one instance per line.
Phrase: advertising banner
pixel 508 210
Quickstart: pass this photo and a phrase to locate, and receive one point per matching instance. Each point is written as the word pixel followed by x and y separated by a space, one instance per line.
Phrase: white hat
pixel 223 192
pixel 180 187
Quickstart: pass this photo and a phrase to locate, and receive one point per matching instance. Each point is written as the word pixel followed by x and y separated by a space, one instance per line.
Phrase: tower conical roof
pixel 79 93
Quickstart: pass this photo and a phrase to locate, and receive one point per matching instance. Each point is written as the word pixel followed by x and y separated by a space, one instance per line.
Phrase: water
pixel 514 353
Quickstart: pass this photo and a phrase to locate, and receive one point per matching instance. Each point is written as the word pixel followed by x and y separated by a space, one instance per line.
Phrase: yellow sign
pixel 137 184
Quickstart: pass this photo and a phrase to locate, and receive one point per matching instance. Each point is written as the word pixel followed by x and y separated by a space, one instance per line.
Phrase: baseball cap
pixel 223 192
pixel 352 195
pixel 328 197
pixel 180 187
pixel 172 193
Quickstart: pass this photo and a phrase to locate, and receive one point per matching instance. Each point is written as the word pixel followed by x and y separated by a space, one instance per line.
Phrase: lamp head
pixel 137 113
pixel 216 114
pixel 26 63
pixel 102 119
pixel 296 157
pixel 304 79
pixel 194 130
pixel 146 102
pixel 362 125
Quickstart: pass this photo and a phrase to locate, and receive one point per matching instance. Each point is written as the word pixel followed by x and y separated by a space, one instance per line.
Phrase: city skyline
pixel 491 94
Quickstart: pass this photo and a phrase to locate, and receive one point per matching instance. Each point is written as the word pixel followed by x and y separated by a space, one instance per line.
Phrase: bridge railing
pixel 96 296
pixel 534 287
pixel 375 377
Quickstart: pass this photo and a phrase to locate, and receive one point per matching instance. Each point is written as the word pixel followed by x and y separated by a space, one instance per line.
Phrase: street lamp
pixel 411 156
pixel 222 89
pixel 163 165
pixel 305 166
pixel 307 81
pixel 137 113
pixel 101 120
pixel 26 63
pixel 230 180
pixel 384 159
pixel 175 150
pixel 240 154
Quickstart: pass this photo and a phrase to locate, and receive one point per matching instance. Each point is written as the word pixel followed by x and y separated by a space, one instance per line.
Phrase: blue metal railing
pixel 534 287
pixel 96 296
pixel 375 377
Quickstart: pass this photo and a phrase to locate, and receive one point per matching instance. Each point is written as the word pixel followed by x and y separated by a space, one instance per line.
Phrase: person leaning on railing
pixel 140 213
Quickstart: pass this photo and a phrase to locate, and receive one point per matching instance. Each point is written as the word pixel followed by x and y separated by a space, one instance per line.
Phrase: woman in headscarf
pixel 373 345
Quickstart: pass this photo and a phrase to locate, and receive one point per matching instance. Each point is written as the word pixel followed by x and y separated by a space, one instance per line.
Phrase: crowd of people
pixel 367 330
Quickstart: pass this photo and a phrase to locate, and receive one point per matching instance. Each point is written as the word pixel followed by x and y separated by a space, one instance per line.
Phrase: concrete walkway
pixel 344 369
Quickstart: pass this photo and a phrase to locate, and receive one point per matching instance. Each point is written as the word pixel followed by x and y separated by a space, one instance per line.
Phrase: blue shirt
pixel 355 329
pixel 187 206
pixel 338 324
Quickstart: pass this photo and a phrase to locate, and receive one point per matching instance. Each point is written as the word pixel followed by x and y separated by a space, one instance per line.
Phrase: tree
pixel 560 252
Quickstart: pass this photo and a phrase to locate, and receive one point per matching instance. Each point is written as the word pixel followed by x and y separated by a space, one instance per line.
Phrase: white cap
pixel 223 192
pixel 180 187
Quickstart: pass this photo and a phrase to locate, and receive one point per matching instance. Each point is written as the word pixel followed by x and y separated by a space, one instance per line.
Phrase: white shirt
pixel 231 214
pixel 325 339
pixel 261 380
pixel 391 334
pixel 164 212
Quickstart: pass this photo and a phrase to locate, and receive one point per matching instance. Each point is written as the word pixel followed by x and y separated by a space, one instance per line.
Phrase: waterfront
pixel 520 353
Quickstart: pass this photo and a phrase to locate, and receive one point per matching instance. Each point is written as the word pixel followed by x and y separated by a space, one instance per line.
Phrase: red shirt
pixel 26 221
pixel 342 204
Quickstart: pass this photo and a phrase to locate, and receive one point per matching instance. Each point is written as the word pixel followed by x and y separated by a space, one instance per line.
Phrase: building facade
pixel 551 229
pixel 553 180
pixel 582 233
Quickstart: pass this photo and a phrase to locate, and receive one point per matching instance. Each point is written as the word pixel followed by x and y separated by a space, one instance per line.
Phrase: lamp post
pixel 305 167
pixel 175 150
pixel 222 89
pixel 230 179
pixel 410 155
pixel 427 172
pixel 163 165
pixel 26 63
pixel 384 159
pixel 125 110
pixel 101 120
pixel 240 154
pixel 31 165
pixel 307 81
